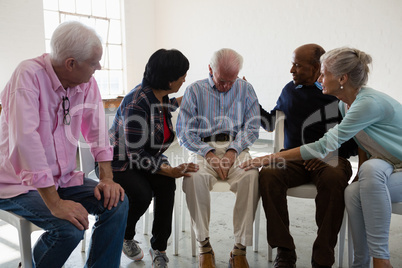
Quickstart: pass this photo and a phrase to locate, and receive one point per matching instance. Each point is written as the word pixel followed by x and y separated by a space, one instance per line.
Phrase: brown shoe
pixel 206 260
pixel 285 258
pixel 238 261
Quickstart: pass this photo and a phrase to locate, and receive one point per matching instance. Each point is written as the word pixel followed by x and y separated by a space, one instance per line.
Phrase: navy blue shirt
pixel 309 115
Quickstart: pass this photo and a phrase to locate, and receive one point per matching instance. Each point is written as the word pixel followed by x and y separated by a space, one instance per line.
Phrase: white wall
pixel 140 38
pixel 22 34
pixel 265 32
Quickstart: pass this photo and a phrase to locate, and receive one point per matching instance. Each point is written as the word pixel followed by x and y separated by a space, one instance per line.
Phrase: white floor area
pixel 302 226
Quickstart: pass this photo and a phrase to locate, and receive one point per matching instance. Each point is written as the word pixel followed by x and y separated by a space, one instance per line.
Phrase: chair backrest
pixel 279 133
pixel 303 191
pixel 87 162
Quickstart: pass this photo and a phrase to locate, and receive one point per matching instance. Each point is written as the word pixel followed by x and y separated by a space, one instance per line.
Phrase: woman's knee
pixel 375 169
pixel 352 195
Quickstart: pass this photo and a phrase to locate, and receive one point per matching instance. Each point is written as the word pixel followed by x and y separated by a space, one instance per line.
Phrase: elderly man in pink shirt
pixel 47 103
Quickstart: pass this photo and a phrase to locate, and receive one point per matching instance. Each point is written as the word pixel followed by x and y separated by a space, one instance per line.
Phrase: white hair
pixel 226 59
pixel 350 61
pixel 73 39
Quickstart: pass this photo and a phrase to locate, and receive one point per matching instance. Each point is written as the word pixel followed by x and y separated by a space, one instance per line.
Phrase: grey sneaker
pixel 159 259
pixel 132 250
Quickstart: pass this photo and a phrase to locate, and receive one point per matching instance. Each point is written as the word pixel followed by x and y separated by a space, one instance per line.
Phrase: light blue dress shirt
pixel 205 111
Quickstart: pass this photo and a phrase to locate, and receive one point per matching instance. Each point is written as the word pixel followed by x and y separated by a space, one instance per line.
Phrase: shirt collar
pixel 211 81
pixel 317 84
pixel 56 84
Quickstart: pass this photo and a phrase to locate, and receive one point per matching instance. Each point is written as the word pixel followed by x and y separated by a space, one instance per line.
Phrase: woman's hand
pixel 184 169
pixel 179 171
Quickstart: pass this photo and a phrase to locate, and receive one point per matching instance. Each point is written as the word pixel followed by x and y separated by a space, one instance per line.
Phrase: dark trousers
pixel 140 187
pixel 330 178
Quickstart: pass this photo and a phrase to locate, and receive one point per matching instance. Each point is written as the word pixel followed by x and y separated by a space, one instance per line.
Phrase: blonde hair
pixel 350 61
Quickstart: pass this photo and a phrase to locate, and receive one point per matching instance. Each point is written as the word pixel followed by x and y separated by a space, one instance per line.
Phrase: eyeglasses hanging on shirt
pixel 66 111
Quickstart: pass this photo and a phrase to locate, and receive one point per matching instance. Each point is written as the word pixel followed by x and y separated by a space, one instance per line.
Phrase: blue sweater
pixel 309 114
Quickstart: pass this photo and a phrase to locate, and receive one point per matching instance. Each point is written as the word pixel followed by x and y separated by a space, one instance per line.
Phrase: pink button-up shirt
pixel 37 149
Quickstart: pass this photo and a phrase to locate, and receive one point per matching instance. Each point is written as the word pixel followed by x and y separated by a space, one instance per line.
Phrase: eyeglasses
pixel 66 111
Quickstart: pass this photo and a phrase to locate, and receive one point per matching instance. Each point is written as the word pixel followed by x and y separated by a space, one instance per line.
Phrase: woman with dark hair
pixel 142 130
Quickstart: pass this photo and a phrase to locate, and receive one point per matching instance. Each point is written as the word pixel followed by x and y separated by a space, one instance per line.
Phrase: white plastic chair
pixel 303 191
pixel 25 228
pixel 220 186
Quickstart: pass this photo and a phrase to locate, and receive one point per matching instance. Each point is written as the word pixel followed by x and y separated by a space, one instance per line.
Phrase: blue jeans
pixel 61 237
pixel 368 203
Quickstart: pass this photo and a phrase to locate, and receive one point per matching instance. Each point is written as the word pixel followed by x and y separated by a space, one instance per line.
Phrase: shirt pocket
pixel 45 129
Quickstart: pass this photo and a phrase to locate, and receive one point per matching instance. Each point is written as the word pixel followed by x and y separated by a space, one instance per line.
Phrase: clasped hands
pixel 221 165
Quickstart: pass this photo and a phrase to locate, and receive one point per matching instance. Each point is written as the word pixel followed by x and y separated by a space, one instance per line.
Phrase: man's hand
pixel 215 162
pixel 227 162
pixel 312 164
pixel 73 212
pixel 112 192
pixel 65 209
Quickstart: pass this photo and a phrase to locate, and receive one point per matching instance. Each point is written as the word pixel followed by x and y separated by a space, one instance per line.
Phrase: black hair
pixel 165 66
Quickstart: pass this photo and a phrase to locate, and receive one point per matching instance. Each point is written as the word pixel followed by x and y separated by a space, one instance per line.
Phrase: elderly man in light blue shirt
pixel 219 119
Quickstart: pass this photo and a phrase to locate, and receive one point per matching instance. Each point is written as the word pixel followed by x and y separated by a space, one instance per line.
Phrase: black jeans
pixel 141 186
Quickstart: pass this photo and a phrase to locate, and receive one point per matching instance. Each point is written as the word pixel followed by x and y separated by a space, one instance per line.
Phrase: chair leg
pixel 183 211
pixel 24 233
pixel 146 221
pixel 83 242
pixel 350 245
pixel 176 224
pixel 341 240
pixel 193 243
pixel 256 227
pixel 270 253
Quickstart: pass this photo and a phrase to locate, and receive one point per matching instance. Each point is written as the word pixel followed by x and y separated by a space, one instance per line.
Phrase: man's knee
pixel 196 182
pixel 69 232
pixel 333 178
pixel 270 178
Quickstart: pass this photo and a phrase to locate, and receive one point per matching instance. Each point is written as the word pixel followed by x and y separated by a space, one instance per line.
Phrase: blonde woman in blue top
pixel 374 120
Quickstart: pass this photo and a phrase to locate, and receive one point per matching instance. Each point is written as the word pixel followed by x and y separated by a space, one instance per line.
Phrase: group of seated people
pixel 330 115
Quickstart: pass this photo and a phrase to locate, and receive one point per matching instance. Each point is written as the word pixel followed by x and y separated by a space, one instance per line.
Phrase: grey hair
pixel 73 39
pixel 226 58
pixel 350 61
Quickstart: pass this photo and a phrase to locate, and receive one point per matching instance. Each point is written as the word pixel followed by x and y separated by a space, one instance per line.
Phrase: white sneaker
pixel 159 259
pixel 132 250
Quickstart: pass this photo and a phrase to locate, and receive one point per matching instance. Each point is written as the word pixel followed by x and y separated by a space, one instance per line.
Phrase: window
pixel 105 17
